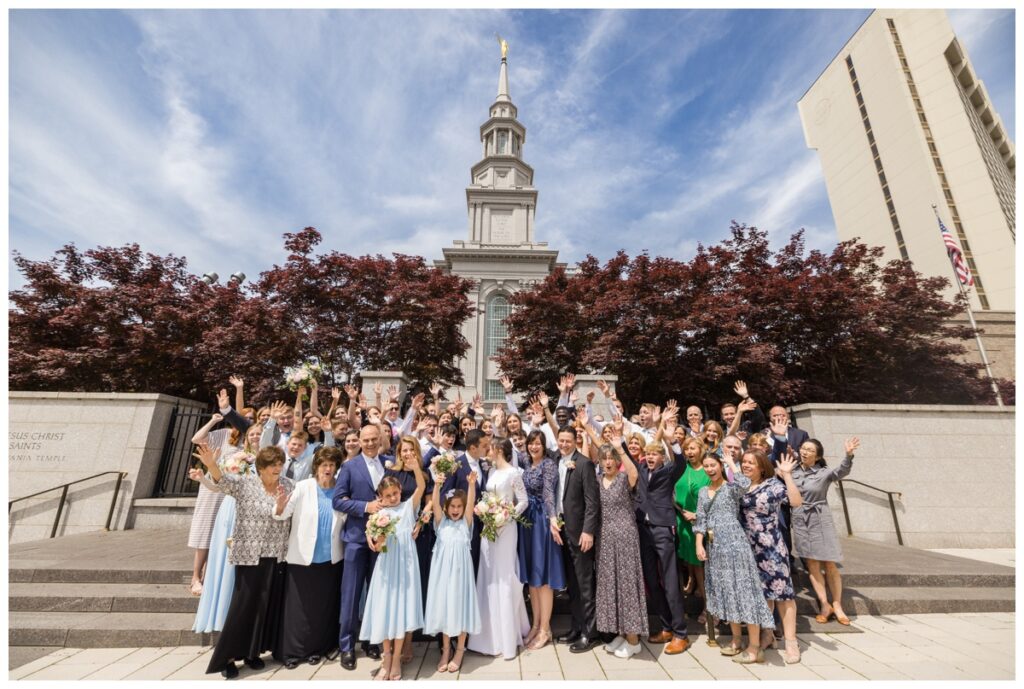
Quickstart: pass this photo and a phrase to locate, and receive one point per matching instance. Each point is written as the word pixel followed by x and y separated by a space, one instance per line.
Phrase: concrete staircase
pixel 129 589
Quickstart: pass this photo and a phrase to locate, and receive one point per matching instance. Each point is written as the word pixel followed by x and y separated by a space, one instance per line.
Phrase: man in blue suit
pixel 356 496
pixel 478 446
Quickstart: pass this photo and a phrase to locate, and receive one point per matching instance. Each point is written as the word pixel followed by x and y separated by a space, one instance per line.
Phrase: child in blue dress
pixel 394 603
pixel 452 607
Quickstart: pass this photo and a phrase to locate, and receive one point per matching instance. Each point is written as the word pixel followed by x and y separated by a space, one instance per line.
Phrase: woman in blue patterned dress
pixel 731 581
pixel 759 512
pixel 540 556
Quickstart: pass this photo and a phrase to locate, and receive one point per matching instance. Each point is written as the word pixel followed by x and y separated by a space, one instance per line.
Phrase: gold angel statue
pixel 504 46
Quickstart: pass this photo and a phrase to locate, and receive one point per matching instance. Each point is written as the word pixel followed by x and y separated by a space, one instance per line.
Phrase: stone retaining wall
pixel 954 466
pixel 56 437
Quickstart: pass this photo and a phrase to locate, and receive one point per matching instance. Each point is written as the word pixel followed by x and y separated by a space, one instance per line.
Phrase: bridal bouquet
pixel 444 465
pixel 302 376
pixel 381 525
pixel 494 513
pixel 237 464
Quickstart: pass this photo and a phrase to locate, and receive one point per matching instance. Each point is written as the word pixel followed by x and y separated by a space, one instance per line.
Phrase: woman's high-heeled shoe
pixel 842 619
pixel 821 617
pixel 443 665
pixel 744 659
pixel 792 652
pixel 531 636
pixel 767 639
pixel 542 639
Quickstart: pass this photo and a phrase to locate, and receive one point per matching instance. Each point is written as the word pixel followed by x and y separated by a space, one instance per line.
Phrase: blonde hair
pixel 758 440
pixel 655 447
pixel 690 440
pixel 718 441
pixel 414 444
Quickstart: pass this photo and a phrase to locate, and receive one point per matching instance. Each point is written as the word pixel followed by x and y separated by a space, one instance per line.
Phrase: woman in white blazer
pixel 309 630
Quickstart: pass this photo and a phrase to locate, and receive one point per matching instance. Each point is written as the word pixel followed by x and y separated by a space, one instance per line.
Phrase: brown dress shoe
pixel 661 637
pixel 677 645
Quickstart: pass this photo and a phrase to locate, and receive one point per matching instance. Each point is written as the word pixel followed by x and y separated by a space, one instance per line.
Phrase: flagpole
pixel 974 326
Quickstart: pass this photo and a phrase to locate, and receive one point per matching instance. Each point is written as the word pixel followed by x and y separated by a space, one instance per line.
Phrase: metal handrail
pixel 888 493
pixel 64 497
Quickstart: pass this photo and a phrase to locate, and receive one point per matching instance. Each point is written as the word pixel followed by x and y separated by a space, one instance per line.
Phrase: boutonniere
pixel 570 465
pixel 485 465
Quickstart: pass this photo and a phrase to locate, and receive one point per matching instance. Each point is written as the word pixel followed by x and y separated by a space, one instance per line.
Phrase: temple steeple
pixel 501 198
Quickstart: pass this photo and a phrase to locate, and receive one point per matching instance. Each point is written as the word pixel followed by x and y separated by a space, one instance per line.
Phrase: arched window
pixel 495 334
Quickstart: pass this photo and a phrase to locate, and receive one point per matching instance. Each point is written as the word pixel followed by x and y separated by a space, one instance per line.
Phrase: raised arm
pixel 239 391
pixel 544 399
pixel 510 403
pixel 314 405
pixel 785 472
pixel 298 405
pixel 201 434
pixel 435 501
pixel 421 484
pixel 470 498
pixel 844 468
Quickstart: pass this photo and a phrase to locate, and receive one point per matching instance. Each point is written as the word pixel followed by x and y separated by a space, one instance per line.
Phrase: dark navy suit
pixel 354 489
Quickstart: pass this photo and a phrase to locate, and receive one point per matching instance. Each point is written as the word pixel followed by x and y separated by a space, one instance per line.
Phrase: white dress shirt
pixel 563 471
pixel 375 468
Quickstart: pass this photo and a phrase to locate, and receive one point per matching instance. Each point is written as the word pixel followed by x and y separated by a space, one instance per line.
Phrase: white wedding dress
pixel 499 591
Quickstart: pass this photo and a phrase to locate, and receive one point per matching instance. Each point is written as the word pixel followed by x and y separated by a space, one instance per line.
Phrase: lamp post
pixel 211 278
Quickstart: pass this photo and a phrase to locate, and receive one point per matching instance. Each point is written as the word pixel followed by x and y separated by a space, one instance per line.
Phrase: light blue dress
pixel 220 574
pixel 394 603
pixel 451 591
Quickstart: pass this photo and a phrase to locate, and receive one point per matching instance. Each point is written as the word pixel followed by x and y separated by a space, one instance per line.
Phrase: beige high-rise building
pixel 901 121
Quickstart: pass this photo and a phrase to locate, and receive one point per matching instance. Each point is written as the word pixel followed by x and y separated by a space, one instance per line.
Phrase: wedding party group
pixel 317 533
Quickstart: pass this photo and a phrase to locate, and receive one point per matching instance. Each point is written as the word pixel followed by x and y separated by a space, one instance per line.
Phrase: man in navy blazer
pixel 478 447
pixel 356 495
pixel 781 433
pixel 656 523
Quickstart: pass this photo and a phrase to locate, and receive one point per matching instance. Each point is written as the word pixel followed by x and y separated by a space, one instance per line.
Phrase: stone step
pixel 26 575
pixel 152 598
pixel 104 629
pixel 937 580
pixel 904 600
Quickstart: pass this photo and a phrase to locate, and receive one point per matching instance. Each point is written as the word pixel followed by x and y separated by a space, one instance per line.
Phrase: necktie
pixel 290 472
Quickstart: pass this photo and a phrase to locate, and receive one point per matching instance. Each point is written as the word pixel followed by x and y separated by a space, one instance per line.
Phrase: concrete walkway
pixel 921 646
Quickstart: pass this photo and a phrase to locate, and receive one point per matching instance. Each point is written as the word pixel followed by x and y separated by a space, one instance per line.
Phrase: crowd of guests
pixel 630 516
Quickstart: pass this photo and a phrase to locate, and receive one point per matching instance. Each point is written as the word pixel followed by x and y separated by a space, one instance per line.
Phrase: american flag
pixel 955 257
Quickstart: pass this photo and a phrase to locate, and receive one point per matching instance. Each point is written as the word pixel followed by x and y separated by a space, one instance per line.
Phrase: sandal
pixel 542 639
pixel 196 589
pixel 454 666
pixel 744 659
pixel 385 661
pixel 534 631
pixel 822 618
pixel 842 619
pixel 767 639
pixel 443 665
pixel 731 650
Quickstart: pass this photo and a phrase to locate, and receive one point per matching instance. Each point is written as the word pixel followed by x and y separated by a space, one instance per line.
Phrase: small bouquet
pixel 381 525
pixel 444 464
pixel 302 376
pixel 494 513
pixel 237 463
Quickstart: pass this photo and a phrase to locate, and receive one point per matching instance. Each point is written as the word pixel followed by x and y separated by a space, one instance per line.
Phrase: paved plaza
pixel 960 646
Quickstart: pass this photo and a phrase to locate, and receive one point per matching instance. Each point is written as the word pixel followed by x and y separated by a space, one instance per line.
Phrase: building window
pixel 496 333
pixel 494 392
pixel 502 142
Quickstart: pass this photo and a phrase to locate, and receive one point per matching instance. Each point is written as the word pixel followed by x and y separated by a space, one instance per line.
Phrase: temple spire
pixel 503 94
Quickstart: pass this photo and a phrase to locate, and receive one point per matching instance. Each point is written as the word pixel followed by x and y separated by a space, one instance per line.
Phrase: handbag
pixel 709 537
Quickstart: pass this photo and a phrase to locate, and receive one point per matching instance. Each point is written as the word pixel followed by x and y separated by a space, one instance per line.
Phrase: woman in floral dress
pixel 759 513
pixel 731 580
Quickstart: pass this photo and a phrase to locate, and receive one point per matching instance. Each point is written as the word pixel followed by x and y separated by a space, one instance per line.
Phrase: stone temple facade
pixel 500 253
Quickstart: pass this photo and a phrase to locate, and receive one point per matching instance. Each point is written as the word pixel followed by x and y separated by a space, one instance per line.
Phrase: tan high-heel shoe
pixel 542 639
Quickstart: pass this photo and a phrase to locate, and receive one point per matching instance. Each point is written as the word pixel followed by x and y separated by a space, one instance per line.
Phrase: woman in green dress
pixel 687 488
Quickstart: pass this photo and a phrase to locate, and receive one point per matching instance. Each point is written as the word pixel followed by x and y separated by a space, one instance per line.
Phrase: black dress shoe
pixel 255 663
pixel 291 663
pixel 569 637
pixel 314 660
pixel 373 651
pixel 584 644
pixel 333 654
pixel 348 660
pixel 230 672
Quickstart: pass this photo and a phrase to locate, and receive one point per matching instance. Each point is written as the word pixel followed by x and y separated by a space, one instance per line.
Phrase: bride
pixel 498 588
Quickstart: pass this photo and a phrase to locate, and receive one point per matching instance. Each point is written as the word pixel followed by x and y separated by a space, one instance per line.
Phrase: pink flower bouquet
pixel 381 525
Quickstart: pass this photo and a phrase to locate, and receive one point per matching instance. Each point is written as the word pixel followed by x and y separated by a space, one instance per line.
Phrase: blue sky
pixel 209 134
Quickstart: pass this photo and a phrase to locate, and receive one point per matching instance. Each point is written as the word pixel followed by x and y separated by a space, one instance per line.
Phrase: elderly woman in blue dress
pixel 759 513
pixel 731 581
pixel 814 532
